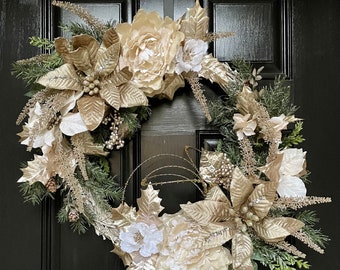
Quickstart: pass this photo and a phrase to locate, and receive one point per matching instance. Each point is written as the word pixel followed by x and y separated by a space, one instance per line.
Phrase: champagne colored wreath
pixel 90 94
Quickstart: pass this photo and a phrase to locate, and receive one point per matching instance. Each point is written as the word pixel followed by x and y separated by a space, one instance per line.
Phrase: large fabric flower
pixel 190 56
pixel 141 237
pixel 149 46
pixel 185 248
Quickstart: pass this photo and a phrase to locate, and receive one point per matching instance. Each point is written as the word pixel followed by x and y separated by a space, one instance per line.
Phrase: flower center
pixel 138 237
pixel 91 85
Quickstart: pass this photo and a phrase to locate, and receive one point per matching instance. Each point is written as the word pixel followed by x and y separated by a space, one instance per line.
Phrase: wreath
pixel 90 94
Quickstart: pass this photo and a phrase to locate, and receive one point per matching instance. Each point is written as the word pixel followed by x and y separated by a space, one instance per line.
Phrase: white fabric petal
pixel 291 186
pixel 72 124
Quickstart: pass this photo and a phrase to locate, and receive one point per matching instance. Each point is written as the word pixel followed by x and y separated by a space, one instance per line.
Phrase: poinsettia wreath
pixel 90 93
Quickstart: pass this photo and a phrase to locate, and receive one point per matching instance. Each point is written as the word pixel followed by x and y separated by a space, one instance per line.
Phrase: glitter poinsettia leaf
pixel 149 203
pixel 195 23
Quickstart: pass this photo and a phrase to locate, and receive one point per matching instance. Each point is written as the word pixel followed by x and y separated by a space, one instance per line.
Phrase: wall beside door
pixel 315 58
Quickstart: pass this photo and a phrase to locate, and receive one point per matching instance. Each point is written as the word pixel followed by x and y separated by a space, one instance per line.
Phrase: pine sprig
pixel 81 28
pixel 276 98
pixel 34 193
pixel 29 70
pixel 310 219
pixel 41 42
pixel 276 259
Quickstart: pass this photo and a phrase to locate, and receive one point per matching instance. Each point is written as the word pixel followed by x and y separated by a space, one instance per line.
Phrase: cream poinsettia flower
pixel 43 136
pixel 189 57
pixel 244 126
pixel 292 165
pixel 278 122
pixel 149 46
pixel 142 238
pixel 92 69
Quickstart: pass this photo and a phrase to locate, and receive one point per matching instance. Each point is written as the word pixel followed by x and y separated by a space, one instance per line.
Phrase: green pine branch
pixel 276 259
pixel 34 193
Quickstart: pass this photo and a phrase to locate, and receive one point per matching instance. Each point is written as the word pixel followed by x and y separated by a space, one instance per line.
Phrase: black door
pixel 297 38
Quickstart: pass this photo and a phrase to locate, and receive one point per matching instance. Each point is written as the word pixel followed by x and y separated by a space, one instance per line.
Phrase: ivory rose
pixel 149 46
pixel 190 56
pixel 293 163
pixel 142 238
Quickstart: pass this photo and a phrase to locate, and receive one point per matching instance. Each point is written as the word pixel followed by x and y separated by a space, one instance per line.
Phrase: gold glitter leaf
pixel 62 47
pixel 215 71
pixel 221 236
pixel 89 147
pixel 240 188
pixel 92 110
pixel 81 60
pixel 149 203
pixel 276 229
pixel 271 170
pixel 35 171
pixel 242 250
pixel 123 215
pixel 107 60
pixel 111 94
pixel 120 77
pixel 205 212
pixel 62 78
pixel 87 42
pixel 216 194
pixel 262 198
pixel 110 37
pixel 171 84
pixel 195 23
pixel 131 96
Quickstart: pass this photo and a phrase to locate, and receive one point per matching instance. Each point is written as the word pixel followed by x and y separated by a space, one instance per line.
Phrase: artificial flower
pixel 190 56
pixel 42 136
pixel 149 46
pixel 293 161
pixel 184 246
pixel 244 126
pixel 37 170
pixel 92 69
pixel 291 186
pixel 292 165
pixel 278 122
pixel 142 238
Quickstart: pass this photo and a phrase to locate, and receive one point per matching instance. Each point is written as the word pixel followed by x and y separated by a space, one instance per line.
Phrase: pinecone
pixel 51 185
pixel 73 216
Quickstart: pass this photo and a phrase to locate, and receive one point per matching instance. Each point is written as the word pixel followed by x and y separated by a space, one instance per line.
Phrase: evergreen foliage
pixel 276 259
